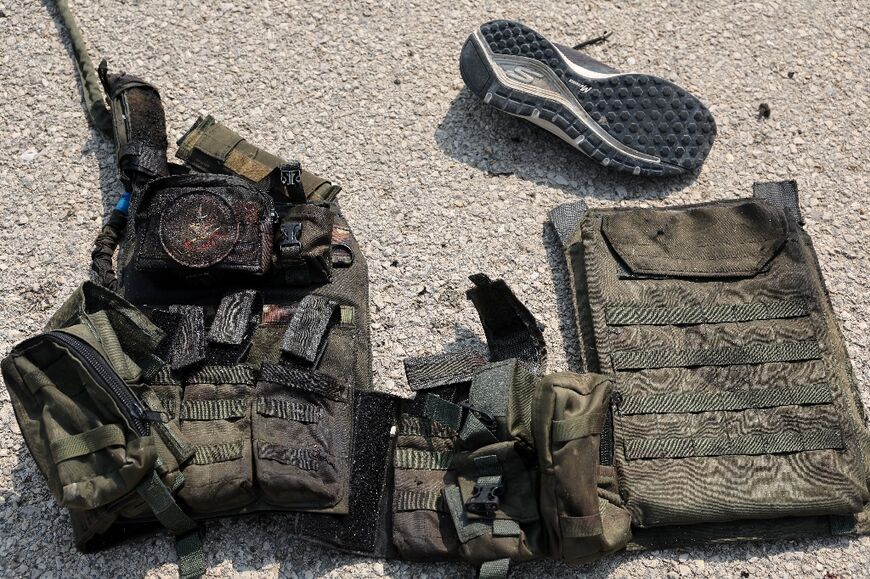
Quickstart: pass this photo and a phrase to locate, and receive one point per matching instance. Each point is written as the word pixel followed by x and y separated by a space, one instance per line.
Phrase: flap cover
pixel 733 240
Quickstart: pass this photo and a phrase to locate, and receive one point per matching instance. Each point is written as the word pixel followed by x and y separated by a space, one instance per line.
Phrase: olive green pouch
pixel 73 389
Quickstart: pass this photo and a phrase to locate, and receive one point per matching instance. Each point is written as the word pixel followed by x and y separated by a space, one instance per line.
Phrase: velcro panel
pixel 308 328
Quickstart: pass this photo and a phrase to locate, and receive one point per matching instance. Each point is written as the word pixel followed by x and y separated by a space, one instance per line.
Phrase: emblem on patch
pixel 198 229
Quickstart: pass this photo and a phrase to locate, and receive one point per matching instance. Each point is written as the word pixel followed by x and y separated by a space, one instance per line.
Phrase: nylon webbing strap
pixel 782 194
pixel 308 328
pixel 217 453
pixel 505 528
pixel 289 410
pixel 169 432
pixel 302 379
pixel 415 426
pixel 475 434
pixel 410 458
pixel 782 442
pixel 222 375
pixel 443 411
pixel 577 527
pixel 404 500
pixel 497 569
pixel 754 353
pixel 427 372
pixel 188 342
pixel 466 530
pixel 87 442
pixel 625 315
pixel 511 330
pixel 685 402
pixel 301 458
pixel 577 426
pixel 214 409
pixel 188 544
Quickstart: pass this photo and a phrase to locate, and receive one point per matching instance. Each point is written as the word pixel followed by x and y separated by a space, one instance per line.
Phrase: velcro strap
pixel 308 328
pixel 301 458
pixel 188 342
pixel 505 528
pixel 87 442
pixel 302 379
pixel 426 372
pixel 217 453
pixel 214 409
pixel 686 402
pixel 625 315
pixel 443 411
pixel 405 500
pixel 497 569
pixel 577 426
pixel 753 353
pixel 779 443
pixel 236 317
pixel 491 387
pixel 289 410
pixel 410 458
pixel 188 543
pixel 577 527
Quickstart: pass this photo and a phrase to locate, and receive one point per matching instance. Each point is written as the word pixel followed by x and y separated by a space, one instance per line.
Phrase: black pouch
pixel 204 224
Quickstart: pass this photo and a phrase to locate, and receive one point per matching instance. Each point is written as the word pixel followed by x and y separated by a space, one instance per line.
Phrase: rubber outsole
pixel 631 122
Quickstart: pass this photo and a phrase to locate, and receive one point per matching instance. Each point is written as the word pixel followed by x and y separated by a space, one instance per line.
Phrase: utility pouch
pixel 303 245
pixel 139 125
pixel 583 514
pixel 210 147
pixel 201 225
pixel 732 393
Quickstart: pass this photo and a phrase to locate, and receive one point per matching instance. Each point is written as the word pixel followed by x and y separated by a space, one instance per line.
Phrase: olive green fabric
pixel 210 147
pixel 733 394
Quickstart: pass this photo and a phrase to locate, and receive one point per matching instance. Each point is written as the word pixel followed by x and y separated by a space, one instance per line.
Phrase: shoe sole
pixel 631 122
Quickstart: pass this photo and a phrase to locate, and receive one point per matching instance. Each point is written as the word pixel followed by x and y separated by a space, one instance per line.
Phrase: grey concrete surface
pixel 436 185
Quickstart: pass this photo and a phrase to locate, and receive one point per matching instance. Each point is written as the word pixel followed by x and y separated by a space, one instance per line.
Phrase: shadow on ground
pixel 500 144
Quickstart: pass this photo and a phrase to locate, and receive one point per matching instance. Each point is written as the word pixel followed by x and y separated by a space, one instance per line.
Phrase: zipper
pixel 108 379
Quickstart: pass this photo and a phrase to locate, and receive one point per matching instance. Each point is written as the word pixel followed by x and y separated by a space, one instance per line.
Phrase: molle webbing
pixel 404 500
pixel 423 459
pixel 223 409
pixel 686 402
pixel 218 452
pixel 426 372
pixel 625 315
pixel 782 442
pixel 415 426
pixel 287 410
pixel 299 457
pixel 302 379
pixel 752 353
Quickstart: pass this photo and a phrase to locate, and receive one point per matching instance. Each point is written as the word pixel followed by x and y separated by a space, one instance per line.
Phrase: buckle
pixel 484 500
pixel 291 179
pixel 290 243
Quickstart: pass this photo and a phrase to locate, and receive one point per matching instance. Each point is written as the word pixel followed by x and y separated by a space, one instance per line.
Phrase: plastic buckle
pixel 290 233
pixel 291 179
pixel 484 500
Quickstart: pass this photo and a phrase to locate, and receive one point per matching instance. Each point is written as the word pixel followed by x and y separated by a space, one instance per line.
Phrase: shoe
pixel 632 122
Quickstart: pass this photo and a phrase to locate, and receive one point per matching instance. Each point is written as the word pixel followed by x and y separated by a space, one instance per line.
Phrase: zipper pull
pixel 150 415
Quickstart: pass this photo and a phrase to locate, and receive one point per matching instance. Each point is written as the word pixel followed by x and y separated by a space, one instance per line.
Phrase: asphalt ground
pixel 436 185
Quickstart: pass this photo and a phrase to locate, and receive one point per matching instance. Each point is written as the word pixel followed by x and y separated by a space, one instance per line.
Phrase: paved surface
pixel 436 186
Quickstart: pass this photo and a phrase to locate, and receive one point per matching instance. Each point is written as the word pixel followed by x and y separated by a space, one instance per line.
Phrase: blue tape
pixel 123 204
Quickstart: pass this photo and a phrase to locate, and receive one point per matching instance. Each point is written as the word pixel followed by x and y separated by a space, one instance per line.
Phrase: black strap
pixel 511 330
pixel 308 327
pixel 188 342
pixel 233 327
pixel 426 372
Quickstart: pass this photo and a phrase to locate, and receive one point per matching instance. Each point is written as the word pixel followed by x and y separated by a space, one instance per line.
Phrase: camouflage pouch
pixel 198 224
